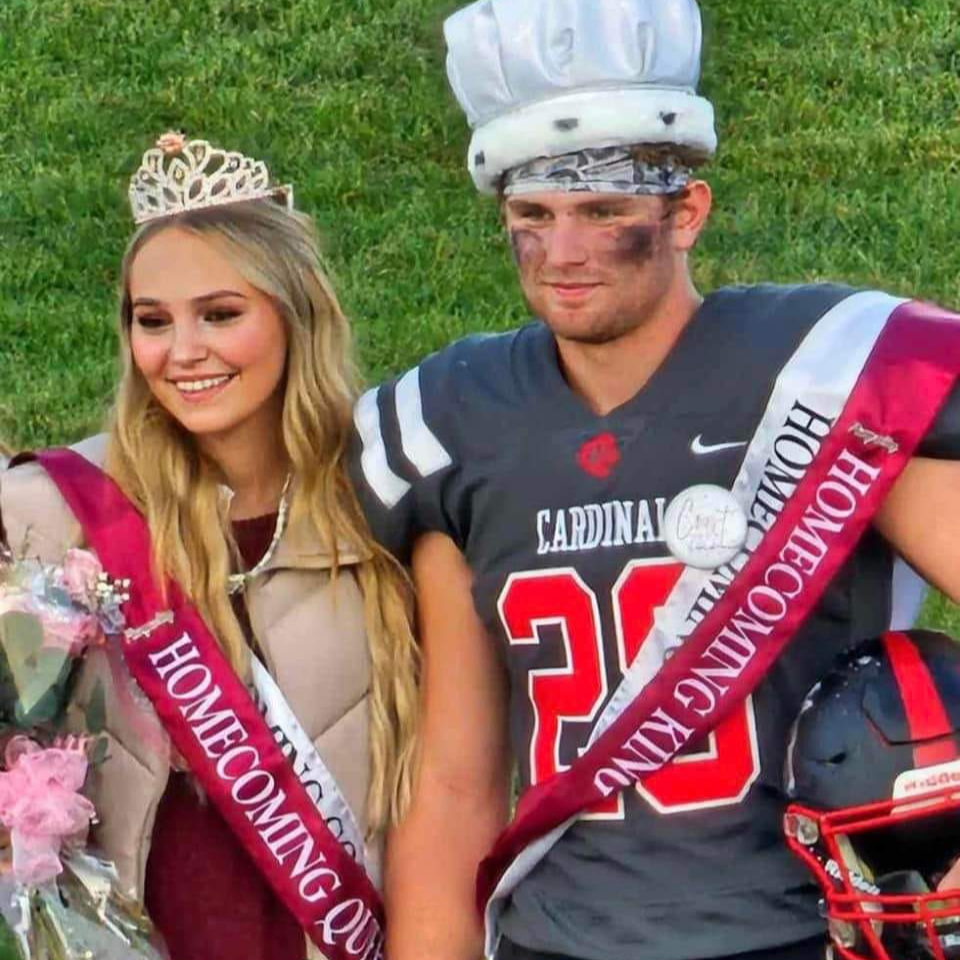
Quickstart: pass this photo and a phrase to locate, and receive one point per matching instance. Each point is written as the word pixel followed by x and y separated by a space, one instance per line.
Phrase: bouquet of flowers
pixel 59 898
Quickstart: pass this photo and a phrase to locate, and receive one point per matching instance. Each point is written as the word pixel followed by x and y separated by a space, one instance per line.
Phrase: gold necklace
pixel 238 581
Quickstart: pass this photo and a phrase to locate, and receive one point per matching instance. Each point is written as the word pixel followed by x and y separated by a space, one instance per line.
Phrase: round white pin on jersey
pixel 705 526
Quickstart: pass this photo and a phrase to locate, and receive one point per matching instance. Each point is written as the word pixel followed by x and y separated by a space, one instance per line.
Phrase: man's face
pixel 593 266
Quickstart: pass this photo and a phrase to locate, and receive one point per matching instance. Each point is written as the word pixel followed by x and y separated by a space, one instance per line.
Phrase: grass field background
pixel 840 159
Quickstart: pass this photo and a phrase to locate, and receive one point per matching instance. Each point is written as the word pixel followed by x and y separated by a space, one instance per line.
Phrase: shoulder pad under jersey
pixel 942 441
pixel 409 439
pixel 764 304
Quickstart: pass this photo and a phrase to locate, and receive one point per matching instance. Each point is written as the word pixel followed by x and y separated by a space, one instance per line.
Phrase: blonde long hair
pixel 159 466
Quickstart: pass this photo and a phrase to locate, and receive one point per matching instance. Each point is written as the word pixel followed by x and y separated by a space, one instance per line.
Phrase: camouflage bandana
pixel 603 170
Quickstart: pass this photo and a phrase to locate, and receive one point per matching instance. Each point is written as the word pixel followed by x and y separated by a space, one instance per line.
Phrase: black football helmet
pixel 873 773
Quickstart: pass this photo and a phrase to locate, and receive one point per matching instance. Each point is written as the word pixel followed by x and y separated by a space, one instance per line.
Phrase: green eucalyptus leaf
pixel 95 711
pixel 38 675
pixel 99 752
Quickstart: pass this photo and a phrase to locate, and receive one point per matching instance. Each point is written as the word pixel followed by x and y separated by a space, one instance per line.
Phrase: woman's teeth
pixel 195 386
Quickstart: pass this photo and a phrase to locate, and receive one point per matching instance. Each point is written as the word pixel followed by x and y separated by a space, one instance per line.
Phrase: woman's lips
pixel 202 388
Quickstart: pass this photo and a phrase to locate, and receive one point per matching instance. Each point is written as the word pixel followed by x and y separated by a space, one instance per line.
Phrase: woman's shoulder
pixel 35 518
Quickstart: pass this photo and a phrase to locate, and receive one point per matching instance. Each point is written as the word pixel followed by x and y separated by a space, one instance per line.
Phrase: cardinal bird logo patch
pixel 599 456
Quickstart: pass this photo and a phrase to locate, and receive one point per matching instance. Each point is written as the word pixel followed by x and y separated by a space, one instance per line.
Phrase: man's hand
pixel 951 879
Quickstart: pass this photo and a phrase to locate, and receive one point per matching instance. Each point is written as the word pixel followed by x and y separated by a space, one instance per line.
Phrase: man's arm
pixel 921 519
pixel 461 800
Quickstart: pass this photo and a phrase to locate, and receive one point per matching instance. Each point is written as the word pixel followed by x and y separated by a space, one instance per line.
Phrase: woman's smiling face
pixel 211 347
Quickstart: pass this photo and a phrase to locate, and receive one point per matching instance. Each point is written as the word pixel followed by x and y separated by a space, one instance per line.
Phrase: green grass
pixel 839 123
pixel 840 155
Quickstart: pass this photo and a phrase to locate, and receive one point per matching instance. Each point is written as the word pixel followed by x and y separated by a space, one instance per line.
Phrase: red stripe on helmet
pixel 926 715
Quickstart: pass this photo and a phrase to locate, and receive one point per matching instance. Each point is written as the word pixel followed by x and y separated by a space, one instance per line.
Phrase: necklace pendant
pixel 237 581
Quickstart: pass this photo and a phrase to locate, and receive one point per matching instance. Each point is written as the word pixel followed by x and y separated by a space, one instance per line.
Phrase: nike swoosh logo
pixel 699 447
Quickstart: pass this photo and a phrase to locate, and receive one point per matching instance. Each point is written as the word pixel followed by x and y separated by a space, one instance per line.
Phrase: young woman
pixel 228 433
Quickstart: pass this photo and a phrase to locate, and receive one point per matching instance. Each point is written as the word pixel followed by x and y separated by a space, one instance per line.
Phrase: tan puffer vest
pixel 309 627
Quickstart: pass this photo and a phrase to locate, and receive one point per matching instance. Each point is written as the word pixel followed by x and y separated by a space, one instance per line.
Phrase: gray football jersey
pixel 559 513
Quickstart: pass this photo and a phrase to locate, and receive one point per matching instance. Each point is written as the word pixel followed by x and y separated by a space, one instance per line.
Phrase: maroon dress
pixel 203 891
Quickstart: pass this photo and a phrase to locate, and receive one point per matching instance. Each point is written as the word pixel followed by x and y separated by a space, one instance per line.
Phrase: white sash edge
pixel 822 372
pixel 517 870
pixel 310 769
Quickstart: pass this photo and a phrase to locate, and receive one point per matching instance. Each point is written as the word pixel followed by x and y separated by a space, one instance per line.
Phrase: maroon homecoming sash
pixel 891 399
pixel 214 723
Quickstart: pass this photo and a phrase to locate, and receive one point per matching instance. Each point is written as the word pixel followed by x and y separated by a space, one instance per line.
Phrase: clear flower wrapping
pixel 61 901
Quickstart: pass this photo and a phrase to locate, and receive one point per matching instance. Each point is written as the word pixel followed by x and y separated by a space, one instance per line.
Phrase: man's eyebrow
pixel 619 204
pixel 525 206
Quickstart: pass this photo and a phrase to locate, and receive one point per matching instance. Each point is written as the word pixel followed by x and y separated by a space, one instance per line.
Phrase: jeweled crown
pixel 504 54
pixel 178 175
pixel 539 78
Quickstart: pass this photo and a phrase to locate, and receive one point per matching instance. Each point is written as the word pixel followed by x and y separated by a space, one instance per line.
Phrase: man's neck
pixel 607 375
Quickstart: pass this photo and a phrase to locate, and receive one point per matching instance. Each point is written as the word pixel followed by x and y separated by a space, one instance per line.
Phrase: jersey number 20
pixel 575 692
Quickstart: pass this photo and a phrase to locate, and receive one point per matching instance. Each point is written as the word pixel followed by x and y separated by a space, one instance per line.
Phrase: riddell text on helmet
pixel 927 779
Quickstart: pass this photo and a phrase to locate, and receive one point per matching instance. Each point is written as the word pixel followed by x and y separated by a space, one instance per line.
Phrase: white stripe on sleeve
pixel 420 444
pixel 389 487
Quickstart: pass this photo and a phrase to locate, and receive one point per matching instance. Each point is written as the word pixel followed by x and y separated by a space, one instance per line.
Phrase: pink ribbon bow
pixel 40 804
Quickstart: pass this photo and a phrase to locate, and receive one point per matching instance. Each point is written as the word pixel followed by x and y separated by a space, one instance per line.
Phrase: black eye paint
pixel 636 244
pixel 526 246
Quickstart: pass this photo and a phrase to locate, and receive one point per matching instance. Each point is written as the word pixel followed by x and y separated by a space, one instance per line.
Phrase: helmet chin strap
pixel 901 882
pixel 901 941
pixel 898 940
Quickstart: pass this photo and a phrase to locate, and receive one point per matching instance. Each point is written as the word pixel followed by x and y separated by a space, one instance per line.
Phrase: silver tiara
pixel 179 175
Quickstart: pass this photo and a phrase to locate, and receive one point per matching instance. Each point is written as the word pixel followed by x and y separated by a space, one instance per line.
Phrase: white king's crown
pixel 541 78
pixel 179 175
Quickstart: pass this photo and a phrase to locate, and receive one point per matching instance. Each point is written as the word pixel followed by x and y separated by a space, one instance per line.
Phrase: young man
pixel 531 477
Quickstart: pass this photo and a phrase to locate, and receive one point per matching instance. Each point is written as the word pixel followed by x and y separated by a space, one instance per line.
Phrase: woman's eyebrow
pixel 153 302
pixel 219 293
